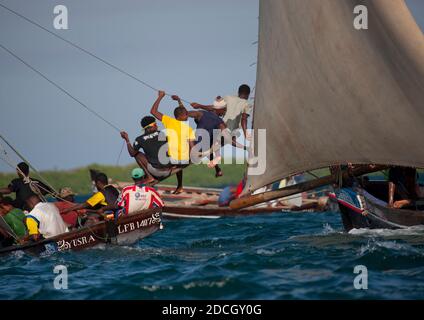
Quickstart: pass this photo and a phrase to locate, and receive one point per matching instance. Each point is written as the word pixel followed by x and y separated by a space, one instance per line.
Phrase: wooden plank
pixel 251 200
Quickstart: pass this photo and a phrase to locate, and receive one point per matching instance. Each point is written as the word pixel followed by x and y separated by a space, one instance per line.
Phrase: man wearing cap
pixel 154 144
pixel 137 197
pixel 66 201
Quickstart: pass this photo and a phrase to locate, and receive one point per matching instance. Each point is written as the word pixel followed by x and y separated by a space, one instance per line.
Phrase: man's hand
pixel 124 136
pixel 195 105
pixel 161 94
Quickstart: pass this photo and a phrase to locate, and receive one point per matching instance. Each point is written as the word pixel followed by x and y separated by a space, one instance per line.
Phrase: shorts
pixel 158 173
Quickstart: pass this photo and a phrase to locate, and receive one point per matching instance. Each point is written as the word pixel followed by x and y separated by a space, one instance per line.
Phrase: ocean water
pixel 276 256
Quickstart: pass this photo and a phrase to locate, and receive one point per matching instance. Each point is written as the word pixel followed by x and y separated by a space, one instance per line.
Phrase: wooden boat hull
pixel 361 210
pixel 176 210
pixel 126 230
pixel 212 212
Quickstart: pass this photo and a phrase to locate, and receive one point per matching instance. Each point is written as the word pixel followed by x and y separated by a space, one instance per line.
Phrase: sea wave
pixel 277 256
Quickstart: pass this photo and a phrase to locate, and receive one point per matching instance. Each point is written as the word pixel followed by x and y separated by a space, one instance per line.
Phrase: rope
pixel 85 51
pixel 60 88
pixel 120 153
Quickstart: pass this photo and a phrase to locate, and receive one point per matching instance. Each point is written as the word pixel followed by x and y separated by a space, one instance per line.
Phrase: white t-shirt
pixel 50 223
pixel 137 198
pixel 235 108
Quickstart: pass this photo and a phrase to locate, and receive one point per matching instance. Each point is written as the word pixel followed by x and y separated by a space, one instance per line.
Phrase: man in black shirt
pixel 154 160
pixel 22 188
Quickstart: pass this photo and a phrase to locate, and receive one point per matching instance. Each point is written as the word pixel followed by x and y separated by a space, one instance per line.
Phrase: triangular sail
pixel 327 93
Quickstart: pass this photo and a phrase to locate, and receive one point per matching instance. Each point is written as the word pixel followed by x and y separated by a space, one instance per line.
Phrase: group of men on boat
pixel 30 218
pixel 161 154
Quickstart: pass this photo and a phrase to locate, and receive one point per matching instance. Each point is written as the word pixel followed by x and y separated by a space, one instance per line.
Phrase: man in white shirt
pixel 44 220
pixel 238 109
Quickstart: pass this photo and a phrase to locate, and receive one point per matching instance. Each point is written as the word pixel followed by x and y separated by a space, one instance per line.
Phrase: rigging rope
pixel 85 51
pixel 60 88
pixel 120 153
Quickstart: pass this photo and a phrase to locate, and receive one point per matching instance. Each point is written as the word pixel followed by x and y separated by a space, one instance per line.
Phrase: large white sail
pixel 328 93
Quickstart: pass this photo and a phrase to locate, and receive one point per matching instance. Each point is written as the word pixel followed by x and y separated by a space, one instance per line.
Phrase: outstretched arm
pixel 154 110
pixel 196 105
pixel 195 114
pixel 132 152
pixel 76 207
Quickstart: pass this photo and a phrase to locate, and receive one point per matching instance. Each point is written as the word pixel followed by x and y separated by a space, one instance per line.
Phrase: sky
pixel 197 49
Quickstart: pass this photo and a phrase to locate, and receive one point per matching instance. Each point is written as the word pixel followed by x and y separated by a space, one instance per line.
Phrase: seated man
pixel 180 137
pixel 43 221
pixel 66 201
pixel 403 187
pixel 14 218
pixel 153 142
pixel 22 188
pixel 137 197
pixel 107 195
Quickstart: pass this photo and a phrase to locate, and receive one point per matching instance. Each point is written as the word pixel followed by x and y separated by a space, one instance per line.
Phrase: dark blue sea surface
pixel 276 256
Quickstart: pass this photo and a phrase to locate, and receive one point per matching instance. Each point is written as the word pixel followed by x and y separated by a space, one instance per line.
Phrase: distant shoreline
pixel 79 179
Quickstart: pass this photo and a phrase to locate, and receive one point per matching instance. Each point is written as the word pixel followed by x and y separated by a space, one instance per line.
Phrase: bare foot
pixel 178 190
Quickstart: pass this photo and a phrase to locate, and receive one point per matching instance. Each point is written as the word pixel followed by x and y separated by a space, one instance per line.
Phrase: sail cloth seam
pixel 85 51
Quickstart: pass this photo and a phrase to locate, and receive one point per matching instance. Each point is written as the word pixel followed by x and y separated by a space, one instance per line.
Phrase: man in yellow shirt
pixel 106 195
pixel 180 136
